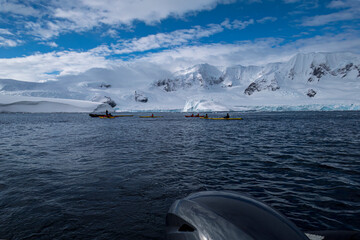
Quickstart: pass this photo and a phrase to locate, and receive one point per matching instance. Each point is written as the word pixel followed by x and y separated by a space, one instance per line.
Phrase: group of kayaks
pixel 109 115
pixel 227 117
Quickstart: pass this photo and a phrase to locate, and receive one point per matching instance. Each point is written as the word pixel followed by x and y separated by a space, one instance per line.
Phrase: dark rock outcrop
pixel 140 97
pixel 252 88
pixel 168 85
pixel 348 68
pixel 262 84
pixel 201 75
pixel 104 85
pixel 109 101
pixel 311 93
pixel 318 71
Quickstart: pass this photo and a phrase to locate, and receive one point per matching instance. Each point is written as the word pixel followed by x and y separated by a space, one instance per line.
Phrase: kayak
pixel 123 115
pixel 193 116
pixel 104 116
pixel 151 116
pixel 223 118
pixel 96 115
pixel 116 116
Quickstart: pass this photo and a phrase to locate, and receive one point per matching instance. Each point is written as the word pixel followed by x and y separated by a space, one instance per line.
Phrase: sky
pixel 44 40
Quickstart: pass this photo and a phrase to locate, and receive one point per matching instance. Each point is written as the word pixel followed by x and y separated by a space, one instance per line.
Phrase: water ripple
pixel 66 176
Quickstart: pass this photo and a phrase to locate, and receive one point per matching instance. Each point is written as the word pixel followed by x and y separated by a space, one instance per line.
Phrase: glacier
pixel 47 105
pixel 306 82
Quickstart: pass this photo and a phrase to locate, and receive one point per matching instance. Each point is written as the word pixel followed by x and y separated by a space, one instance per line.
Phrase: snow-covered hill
pixel 314 81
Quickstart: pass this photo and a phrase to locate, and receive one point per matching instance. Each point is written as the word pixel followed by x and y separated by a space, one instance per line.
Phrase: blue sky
pixel 46 39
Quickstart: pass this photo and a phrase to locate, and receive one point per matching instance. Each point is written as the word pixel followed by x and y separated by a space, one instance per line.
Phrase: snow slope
pixel 46 105
pixel 314 81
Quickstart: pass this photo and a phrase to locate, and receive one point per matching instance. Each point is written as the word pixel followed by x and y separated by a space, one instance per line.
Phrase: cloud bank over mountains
pixel 46 40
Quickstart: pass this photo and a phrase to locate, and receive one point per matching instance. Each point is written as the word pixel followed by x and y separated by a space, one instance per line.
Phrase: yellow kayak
pixel 222 118
pixel 151 116
pixel 106 116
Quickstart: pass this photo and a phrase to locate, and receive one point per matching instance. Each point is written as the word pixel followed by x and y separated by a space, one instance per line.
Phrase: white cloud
pixel 111 32
pixel 45 30
pixel 344 42
pixel 266 19
pixel 246 53
pixel 351 12
pixel 35 67
pixel 333 17
pixel 338 4
pixel 256 52
pixel 7 39
pixel 302 6
pixel 236 24
pixel 128 76
pixel 164 40
pixel 5 42
pixel 83 15
pixel 51 44
pixel 291 1
pixel 301 34
pixel 169 40
pixel 126 11
pixel 13 7
pixel 261 51
pixel 5 32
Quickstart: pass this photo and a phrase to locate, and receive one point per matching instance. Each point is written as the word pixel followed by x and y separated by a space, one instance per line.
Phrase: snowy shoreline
pixel 39 105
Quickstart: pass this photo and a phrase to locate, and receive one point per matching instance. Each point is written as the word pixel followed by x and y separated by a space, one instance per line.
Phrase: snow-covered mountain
pixel 201 75
pixel 301 71
pixel 312 81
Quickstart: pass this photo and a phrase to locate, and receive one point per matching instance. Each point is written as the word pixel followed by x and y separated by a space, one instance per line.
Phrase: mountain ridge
pixel 302 67
pixel 305 79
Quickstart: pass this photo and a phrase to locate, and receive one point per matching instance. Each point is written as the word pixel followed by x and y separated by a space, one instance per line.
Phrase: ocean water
pixel 69 176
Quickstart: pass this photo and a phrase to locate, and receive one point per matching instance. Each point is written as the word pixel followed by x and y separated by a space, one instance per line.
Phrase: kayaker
pixel 107 114
pixel 192 115
pixel 227 115
pixel 198 115
pixel 152 115
pixel 206 116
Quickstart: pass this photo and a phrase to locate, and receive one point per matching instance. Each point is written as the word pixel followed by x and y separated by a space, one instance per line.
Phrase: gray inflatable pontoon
pixel 226 215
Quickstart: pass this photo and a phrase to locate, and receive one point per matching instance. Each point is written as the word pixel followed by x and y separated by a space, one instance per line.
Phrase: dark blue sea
pixel 69 176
